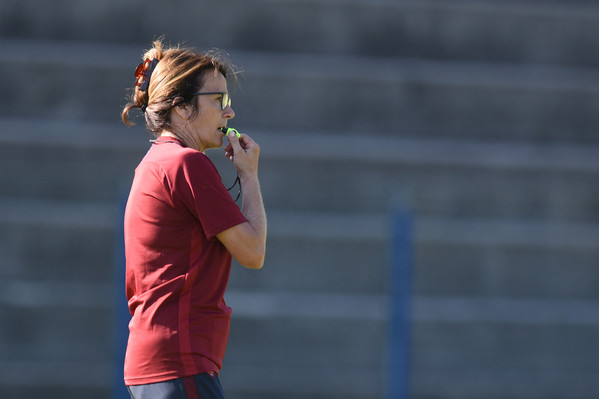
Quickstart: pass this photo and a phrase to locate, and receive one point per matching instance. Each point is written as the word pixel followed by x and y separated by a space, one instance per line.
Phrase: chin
pixel 219 143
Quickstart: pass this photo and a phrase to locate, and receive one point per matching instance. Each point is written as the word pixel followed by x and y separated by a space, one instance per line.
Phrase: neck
pixel 169 135
pixel 184 137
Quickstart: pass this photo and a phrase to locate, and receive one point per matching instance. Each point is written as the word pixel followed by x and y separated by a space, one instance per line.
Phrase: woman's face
pixel 205 126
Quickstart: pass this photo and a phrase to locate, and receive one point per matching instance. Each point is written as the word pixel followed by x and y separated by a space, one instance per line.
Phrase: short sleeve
pixel 199 186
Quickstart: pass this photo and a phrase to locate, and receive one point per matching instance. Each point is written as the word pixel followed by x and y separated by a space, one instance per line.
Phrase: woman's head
pixel 170 78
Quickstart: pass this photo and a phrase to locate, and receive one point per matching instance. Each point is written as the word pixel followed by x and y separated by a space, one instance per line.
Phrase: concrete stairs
pixel 479 115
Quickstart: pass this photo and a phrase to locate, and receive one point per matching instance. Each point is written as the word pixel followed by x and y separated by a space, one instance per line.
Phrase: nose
pixel 229 113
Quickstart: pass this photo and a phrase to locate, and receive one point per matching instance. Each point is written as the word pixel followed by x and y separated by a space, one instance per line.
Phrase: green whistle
pixel 228 130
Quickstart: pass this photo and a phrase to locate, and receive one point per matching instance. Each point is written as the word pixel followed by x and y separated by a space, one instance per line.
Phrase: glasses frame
pixel 224 102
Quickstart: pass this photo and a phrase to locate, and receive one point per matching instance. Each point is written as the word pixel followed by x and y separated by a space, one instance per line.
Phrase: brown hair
pixel 178 74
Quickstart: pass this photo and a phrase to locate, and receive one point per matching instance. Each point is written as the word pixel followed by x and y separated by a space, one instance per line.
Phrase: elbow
pixel 254 265
pixel 255 260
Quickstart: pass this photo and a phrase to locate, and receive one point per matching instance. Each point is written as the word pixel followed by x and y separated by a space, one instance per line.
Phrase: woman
pixel 182 227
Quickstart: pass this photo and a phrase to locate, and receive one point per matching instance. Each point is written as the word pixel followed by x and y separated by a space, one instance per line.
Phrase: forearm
pixel 252 208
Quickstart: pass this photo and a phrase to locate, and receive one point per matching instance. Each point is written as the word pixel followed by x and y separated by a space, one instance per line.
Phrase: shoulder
pixel 180 164
pixel 176 157
pixel 194 161
pixel 193 156
pixel 192 168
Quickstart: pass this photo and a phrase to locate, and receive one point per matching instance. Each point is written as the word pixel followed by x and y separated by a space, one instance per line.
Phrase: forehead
pixel 214 81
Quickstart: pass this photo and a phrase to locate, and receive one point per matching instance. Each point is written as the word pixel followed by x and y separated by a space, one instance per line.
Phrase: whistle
pixel 228 130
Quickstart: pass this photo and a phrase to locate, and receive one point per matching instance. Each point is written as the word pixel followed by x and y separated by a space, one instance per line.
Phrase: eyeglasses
pixel 225 100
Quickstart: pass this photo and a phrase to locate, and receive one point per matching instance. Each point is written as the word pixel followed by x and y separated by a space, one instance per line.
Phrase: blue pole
pixel 401 303
pixel 121 315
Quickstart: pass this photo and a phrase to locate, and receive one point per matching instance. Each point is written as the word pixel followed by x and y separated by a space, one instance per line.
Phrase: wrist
pixel 247 176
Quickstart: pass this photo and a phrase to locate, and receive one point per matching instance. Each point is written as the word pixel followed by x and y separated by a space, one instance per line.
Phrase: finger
pixel 246 140
pixel 234 142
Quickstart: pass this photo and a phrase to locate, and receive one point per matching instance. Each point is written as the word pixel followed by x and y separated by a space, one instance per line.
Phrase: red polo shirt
pixel 176 269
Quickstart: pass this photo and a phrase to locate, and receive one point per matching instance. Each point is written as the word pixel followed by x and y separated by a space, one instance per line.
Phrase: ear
pixel 181 108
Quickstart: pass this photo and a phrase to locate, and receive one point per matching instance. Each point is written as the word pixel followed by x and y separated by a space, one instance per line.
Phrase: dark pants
pixel 201 386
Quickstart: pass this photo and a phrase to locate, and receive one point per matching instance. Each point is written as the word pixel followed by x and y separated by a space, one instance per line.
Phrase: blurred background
pixel 479 117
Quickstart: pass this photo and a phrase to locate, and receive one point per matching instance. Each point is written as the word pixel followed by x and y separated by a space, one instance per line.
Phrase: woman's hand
pixel 244 153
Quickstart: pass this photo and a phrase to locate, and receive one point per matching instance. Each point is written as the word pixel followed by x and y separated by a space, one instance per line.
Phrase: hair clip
pixel 143 73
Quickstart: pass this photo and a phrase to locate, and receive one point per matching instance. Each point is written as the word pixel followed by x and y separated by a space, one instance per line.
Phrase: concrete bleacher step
pixel 474 257
pixel 436 177
pixel 65 240
pixel 73 381
pixel 57 337
pixel 503 358
pixel 70 161
pixel 523 32
pixel 414 97
pixel 324 171
pixel 481 257
pixel 418 97
pixel 57 298
pixel 330 339
pixel 327 339
pixel 301 354
pixel 336 322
